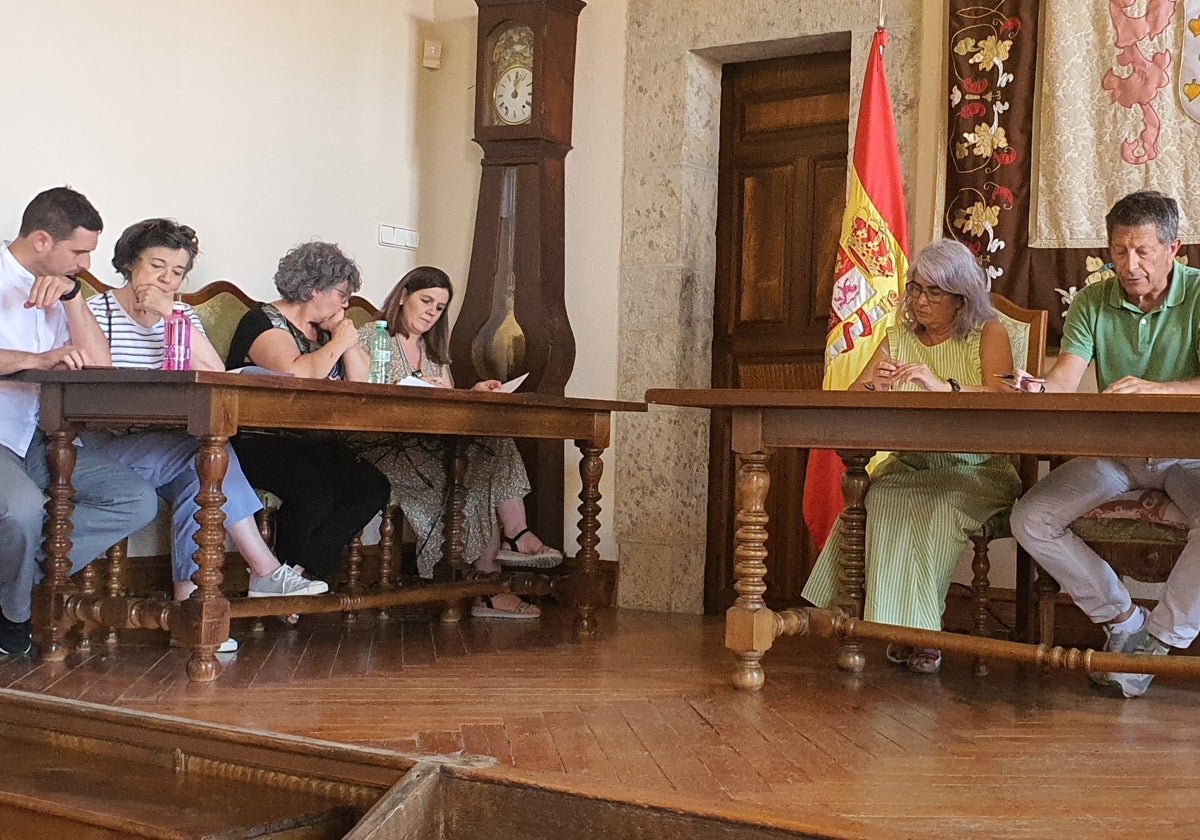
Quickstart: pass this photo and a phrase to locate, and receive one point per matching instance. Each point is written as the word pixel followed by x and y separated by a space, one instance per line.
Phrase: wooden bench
pixel 220 307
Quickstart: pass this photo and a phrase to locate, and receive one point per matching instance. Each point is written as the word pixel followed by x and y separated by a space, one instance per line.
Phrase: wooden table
pixel 213 406
pixel 856 424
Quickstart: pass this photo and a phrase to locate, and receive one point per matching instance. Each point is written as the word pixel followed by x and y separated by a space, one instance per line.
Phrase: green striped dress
pixel 921 508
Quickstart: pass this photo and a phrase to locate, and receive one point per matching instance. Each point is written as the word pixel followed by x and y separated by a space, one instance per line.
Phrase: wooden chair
pixel 1027 334
pixel 1140 534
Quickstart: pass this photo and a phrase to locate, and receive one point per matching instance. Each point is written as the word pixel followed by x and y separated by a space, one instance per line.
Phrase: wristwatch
pixel 954 386
pixel 71 294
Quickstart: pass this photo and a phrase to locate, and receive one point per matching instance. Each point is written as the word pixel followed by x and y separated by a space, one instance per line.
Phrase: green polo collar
pixel 1175 292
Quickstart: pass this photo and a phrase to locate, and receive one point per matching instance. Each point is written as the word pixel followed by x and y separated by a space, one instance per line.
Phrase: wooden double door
pixel 781 197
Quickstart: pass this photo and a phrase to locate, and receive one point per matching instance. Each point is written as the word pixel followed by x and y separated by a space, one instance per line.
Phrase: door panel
pixel 781 196
pixel 762 282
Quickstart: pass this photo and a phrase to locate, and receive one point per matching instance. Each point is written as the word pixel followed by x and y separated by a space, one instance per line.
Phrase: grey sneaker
pixel 1135 685
pixel 285 581
pixel 1120 643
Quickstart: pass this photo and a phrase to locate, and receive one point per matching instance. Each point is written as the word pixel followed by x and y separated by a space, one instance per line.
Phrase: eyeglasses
pixel 932 293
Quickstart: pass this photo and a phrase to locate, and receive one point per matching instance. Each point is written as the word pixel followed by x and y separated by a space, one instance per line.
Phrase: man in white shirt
pixel 44 324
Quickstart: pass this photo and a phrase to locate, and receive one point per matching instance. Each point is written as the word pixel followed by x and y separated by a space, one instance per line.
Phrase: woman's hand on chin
pixel 342 331
pixel 330 324
pixel 153 300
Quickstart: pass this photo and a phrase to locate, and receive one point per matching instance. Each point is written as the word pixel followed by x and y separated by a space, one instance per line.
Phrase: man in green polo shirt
pixel 1143 331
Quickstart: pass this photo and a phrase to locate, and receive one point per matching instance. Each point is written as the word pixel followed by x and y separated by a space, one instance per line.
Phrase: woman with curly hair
pixel 328 494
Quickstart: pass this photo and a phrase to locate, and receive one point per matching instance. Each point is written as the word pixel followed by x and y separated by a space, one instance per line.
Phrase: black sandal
pixel 511 542
pixel 512 557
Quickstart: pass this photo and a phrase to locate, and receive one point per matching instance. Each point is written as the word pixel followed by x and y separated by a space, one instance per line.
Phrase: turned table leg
pixel 204 617
pixel 852 565
pixel 48 620
pixel 749 625
pixel 587 560
pixel 454 523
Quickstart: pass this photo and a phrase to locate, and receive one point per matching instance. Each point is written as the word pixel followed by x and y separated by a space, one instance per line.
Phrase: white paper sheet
pixel 512 384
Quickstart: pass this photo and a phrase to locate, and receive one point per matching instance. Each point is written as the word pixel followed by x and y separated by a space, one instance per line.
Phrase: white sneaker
pixel 285 581
pixel 227 646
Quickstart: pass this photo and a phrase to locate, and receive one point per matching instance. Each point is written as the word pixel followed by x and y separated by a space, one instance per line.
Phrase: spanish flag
pixel 871 266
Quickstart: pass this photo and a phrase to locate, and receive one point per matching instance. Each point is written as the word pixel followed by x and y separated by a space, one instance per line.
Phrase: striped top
pixel 951 359
pixel 132 345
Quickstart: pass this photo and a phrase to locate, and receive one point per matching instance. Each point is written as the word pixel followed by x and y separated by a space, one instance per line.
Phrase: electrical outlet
pixel 431 54
pixel 399 237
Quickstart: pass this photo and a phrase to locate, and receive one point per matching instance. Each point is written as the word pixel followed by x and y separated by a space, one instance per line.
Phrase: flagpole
pixel 881 14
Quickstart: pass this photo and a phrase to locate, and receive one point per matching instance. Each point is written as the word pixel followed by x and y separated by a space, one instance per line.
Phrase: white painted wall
pixel 264 124
pixel 261 124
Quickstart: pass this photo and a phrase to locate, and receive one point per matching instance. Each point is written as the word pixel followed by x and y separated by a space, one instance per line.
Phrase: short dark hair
pixel 1146 207
pixel 437 340
pixel 59 211
pixel 153 233
pixel 315 267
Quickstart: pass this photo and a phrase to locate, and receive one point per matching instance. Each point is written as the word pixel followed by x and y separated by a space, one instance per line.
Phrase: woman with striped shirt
pixel 155 256
pixel 922 507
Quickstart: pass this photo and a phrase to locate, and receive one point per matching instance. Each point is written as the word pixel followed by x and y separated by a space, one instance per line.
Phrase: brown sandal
pixel 925 661
pixel 485 607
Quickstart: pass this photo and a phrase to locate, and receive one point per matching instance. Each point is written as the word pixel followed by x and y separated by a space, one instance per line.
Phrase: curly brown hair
pixel 315 267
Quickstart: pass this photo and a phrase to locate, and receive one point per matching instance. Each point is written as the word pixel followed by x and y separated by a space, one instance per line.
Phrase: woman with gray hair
pixel 922 507
pixel 328 494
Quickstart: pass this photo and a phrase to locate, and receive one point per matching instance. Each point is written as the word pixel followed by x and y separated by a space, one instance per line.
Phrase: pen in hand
pixel 1018 385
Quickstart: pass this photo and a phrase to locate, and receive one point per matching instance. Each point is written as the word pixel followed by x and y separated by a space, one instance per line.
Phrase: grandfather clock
pixel 514 317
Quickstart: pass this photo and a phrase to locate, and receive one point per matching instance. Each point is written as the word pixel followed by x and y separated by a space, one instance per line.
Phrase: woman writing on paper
pixel 496 529
pixel 921 507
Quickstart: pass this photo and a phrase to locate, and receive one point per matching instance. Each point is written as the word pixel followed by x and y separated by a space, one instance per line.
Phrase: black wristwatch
pixel 71 294
pixel 954 386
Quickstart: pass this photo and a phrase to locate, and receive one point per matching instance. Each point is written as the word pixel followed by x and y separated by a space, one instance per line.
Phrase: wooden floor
pixel 645 709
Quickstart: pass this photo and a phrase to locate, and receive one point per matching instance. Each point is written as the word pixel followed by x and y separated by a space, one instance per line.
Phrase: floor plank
pixel 646 706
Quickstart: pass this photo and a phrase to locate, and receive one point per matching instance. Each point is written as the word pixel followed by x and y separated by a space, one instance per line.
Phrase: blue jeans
pixel 167 459
pixel 111 502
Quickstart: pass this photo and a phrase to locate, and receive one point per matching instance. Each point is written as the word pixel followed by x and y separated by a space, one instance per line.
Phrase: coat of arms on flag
pixel 859 304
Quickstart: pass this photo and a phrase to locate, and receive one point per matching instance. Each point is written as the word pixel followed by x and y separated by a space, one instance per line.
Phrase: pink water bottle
pixel 177 339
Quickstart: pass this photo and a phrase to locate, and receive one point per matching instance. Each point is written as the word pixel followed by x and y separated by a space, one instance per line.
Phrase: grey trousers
pixel 111 502
pixel 1041 520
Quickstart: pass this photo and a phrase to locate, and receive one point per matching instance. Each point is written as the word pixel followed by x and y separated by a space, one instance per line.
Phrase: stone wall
pixel 672 121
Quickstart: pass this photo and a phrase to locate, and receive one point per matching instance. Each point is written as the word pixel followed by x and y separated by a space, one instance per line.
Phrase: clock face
pixel 512 99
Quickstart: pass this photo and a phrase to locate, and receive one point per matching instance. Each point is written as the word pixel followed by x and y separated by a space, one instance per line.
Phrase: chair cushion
pixel 998 527
pixel 1127 530
pixel 1153 507
pixel 269 500
pixel 1018 338
pixel 220 316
